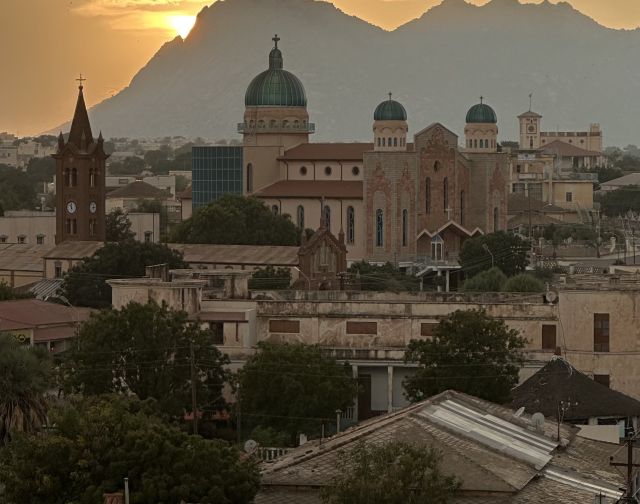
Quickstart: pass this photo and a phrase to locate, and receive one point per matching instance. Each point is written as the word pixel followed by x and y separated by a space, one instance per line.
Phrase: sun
pixel 182 24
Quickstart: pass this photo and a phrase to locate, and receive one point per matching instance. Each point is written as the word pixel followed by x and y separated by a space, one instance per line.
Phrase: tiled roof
pixel 518 203
pixel 137 189
pixel 559 380
pixel 535 219
pixel 564 149
pixel 23 257
pixel 32 313
pixel 327 152
pixel 498 457
pixel 351 189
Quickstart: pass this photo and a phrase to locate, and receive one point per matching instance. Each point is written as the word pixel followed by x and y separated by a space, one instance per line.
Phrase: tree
pixel 155 156
pixel 85 283
pixel 7 293
pixel 391 473
pixel 131 165
pixel 145 350
pixel 270 278
pixel 469 352
pixel 292 388
pixel 523 282
pixel 491 280
pixel 387 277
pixel 97 442
pixel 17 192
pixel 509 253
pixel 118 226
pixel 621 201
pixel 25 374
pixel 236 220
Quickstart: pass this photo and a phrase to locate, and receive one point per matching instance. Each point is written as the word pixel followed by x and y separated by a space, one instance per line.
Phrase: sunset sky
pixel 46 43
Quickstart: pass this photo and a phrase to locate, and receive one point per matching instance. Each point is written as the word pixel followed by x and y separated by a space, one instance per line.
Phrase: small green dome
pixel 275 87
pixel 481 113
pixel 390 110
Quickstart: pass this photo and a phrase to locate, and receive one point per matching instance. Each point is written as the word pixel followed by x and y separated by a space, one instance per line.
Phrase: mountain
pixel 438 65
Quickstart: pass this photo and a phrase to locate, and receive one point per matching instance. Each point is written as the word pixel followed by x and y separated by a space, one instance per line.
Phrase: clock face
pixel 93 207
pixel 71 207
pixel 532 128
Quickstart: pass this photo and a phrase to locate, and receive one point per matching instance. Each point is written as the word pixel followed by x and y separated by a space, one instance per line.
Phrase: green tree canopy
pixel 391 473
pixel 118 226
pixel 292 387
pixel 7 293
pixel 17 191
pixel 524 282
pixel 25 375
pixel 373 277
pixel 491 280
pixel 99 441
pixel 236 220
pixel 131 165
pixel 619 202
pixel 145 350
pixel 85 283
pixel 470 352
pixel 509 253
pixel 270 278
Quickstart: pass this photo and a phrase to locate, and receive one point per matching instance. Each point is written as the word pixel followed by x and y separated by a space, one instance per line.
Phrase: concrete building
pixel 129 197
pixel 166 183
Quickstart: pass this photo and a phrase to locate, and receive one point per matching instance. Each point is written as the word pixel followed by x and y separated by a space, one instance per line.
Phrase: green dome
pixel 275 87
pixel 390 110
pixel 481 113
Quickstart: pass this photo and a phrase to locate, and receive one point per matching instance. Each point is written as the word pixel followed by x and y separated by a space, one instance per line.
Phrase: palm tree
pixel 25 374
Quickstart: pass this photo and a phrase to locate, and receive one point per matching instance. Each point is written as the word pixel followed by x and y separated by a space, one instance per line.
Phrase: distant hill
pixel 437 66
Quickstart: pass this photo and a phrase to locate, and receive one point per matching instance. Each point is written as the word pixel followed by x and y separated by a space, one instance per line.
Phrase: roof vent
pixel 537 420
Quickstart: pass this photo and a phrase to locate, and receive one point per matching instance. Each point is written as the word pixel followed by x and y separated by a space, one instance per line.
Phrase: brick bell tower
pixel 80 180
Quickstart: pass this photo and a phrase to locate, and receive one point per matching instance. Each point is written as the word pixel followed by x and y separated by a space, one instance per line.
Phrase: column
pixel 447 283
pixel 354 370
pixel 389 389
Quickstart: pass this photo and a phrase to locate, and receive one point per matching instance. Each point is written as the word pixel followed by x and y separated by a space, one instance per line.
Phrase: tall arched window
pixel 531 142
pixel 249 178
pixel 427 195
pixel 67 177
pixel 92 177
pixel 383 141
pixel 475 143
pixel 405 227
pixel 74 177
pixel 462 208
pixel 327 217
pixel 274 209
pixel 496 219
pixel 351 225
pixel 395 141
pixel 300 215
pixel 379 227
pixel 445 193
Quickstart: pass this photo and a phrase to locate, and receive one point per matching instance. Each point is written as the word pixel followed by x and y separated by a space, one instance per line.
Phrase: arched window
pixel 389 144
pixel 445 193
pixel 475 143
pixel 427 195
pixel 379 142
pixel 496 219
pixel 395 141
pixel 383 141
pixel 437 245
pixel 327 170
pixel 531 142
pixel 379 227
pixel 327 217
pixel 462 208
pixel 436 166
pixel 74 177
pixel 249 178
pixel 351 225
pixel 67 177
pixel 405 227
pixel 300 217
pixel 274 209
pixel 92 177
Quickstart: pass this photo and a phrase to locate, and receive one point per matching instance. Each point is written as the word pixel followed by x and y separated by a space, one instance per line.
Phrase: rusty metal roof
pixel 327 152
pixel 250 255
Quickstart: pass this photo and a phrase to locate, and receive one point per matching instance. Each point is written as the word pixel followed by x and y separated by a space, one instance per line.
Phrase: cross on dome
pixel 390 95
pixel 276 39
pixel 481 98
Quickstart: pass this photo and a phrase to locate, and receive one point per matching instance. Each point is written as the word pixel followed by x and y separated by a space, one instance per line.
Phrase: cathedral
pixel 409 201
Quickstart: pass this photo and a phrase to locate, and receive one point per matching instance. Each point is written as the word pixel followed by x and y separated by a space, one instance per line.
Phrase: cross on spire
pixel 530 101
pixel 481 98
pixel 276 39
pixel 81 80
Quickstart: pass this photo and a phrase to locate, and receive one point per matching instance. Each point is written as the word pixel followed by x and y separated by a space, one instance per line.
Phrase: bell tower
pixel 80 180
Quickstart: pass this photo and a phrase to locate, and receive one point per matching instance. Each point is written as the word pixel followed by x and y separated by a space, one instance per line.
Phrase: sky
pixel 48 43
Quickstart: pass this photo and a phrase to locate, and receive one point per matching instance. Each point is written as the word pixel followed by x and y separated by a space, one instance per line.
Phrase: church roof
pixel 275 87
pixel 353 151
pixel 351 189
pixel 80 133
pixel 138 189
pixel 559 381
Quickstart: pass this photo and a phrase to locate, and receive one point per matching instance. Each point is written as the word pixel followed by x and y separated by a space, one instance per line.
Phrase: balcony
pixel 249 129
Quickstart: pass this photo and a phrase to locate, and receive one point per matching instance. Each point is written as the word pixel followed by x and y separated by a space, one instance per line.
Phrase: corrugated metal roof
pixel 45 288
pixel 23 257
pixel 74 250
pixel 250 255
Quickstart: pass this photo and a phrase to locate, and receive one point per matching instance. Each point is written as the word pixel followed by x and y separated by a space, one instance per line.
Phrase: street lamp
pixel 305 277
pixel 486 248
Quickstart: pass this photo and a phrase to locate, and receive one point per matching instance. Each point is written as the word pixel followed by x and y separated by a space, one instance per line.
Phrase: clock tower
pixel 80 180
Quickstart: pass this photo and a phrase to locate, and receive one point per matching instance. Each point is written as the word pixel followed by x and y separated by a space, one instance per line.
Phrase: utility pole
pixel 628 495
pixel 194 408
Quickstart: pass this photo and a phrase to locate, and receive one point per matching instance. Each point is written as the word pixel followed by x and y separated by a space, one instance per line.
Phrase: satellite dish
pixel 550 296
pixel 250 446
pixel 519 413
pixel 537 419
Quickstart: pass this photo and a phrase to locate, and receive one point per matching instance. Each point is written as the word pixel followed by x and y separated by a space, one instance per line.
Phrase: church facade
pixel 410 202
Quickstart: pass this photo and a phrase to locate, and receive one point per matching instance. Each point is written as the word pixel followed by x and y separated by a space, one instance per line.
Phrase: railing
pixel 277 128
pixel 267 454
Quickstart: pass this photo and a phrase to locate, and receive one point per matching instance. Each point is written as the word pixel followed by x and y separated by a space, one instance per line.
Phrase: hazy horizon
pixel 108 41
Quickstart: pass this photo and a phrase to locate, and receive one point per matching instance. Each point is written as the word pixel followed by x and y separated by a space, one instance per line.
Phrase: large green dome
pixel 481 113
pixel 275 87
pixel 390 110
